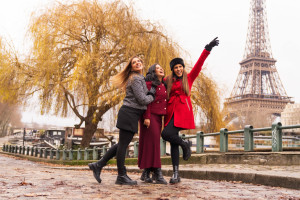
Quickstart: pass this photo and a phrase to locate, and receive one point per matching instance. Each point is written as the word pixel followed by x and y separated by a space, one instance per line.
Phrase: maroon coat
pixel 149 139
pixel 179 104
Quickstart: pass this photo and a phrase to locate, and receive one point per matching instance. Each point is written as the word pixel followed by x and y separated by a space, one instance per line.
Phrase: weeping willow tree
pixel 78 47
pixel 9 109
pixel 8 74
pixel 206 99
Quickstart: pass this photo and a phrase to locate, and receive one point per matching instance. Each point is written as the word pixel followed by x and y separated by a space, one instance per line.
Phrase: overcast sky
pixel 194 23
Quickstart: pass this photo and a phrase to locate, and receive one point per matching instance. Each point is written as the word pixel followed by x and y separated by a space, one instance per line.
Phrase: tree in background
pixel 206 99
pixel 10 117
pixel 78 47
pixel 9 110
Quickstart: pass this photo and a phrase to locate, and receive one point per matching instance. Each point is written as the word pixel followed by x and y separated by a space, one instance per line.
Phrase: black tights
pixel 118 149
pixel 171 134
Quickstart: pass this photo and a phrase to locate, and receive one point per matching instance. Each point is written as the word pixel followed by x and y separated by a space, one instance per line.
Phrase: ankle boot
pixel 186 150
pixel 147 178
pixel 123 179
pixel 143 175
pixel 175 178
pixel 97 167
pixel 158 177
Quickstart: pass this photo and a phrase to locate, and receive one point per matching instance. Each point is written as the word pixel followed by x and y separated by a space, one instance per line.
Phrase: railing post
pixel 79 157
pixel 248 138
pixel 51 153
pixel 41 152
pixel 9 148
pixel 45 153
pixel 32 151
pixel 64 154
pixel 103 150
pixel 57 154
pixel 135 149
pixel 86 153
pixel 223 140
pixel 27 151
pixel 35 151
pixel 276 137
pixel 200 142
pixel 70 154
pixel 24 148
pixel 162 147
pixel 95 153
pixel 20 150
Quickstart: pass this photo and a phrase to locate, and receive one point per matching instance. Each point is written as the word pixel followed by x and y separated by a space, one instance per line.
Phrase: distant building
pixel 291 114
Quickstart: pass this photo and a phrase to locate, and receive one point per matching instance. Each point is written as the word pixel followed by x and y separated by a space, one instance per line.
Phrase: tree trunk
pixel 90 129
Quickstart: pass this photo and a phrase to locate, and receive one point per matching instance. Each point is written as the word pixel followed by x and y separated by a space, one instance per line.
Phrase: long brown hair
pixel 120 80
pixel 184 83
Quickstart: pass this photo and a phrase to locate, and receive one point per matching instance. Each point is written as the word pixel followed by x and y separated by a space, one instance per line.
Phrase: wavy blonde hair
pixel 120 80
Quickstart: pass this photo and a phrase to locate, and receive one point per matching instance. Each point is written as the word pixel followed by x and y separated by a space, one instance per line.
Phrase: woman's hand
pixel 147 122
pixel 213 43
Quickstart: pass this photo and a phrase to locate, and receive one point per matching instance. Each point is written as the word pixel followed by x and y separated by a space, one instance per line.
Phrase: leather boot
pixel 186 150
pixel 158 177
pixel 143 175
pixel 96 167
pixel 175 178
pixel 123 179
pixel 147 178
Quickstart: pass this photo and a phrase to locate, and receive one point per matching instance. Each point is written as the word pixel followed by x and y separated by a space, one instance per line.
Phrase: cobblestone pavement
pixel 22 179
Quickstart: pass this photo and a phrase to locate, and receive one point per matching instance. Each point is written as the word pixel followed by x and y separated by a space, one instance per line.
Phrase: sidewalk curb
pixel 254 178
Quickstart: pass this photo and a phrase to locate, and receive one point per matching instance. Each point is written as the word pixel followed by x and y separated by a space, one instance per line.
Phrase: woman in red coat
pixel 150 128
pixel 179 107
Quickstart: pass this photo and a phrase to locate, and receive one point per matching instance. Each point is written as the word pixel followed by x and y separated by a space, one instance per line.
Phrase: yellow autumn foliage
pixel 79 47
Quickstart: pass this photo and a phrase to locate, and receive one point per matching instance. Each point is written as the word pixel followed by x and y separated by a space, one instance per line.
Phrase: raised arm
pixel 198 66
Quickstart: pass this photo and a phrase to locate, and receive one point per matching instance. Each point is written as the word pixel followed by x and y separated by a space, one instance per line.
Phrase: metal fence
pixel 96 153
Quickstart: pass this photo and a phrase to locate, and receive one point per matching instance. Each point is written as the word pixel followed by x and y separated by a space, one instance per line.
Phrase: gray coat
pixel 136 93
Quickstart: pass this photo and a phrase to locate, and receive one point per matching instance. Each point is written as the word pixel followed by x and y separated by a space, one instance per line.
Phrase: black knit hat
pixel 176 61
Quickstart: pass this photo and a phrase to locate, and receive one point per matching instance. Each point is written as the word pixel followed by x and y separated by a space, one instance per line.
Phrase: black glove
pixel 155 83
pixel 212 44
pixel 152 91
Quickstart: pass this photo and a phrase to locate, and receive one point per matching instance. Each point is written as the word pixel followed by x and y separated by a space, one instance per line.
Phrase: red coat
pixel 179 103
pixel 159 105
pixel 149 140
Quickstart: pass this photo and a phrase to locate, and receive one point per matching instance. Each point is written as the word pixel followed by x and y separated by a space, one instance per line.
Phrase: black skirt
pixel 128 118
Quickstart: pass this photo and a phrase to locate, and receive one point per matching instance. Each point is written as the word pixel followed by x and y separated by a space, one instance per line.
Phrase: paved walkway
pixel 22 179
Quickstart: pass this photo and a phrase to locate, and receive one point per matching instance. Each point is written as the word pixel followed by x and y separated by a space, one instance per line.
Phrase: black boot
pixel 123 179
pixel 158 177
pixel 96 167
pixel 143 175
pixel 175 178
pixel 147 178
pixel 186 150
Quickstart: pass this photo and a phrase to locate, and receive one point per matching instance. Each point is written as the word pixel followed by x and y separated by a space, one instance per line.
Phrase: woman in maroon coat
pixel 150 128
pixel 179 107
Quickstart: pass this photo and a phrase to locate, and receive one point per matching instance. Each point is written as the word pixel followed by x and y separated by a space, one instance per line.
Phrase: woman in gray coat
pixel 134 105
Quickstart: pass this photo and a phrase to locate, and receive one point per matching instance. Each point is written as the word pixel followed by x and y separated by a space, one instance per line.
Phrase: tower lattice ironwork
pixel 258 88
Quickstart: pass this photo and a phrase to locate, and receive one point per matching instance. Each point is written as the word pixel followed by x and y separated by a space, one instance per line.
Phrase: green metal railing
pixel 248 132
pixel 64 154
pixel 96 153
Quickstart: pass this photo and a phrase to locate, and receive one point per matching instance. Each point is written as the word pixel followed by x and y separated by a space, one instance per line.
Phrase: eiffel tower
pixel 258 89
